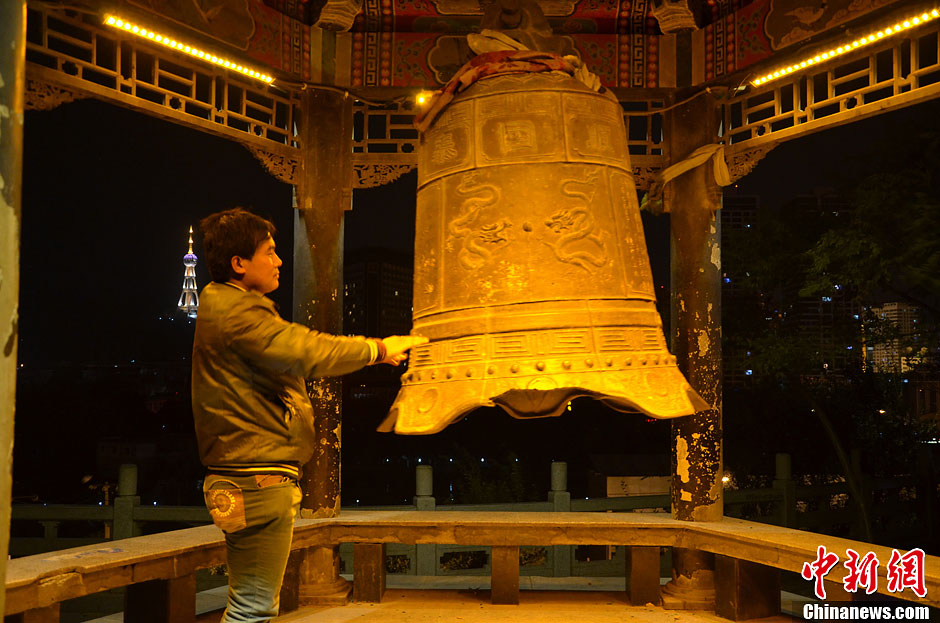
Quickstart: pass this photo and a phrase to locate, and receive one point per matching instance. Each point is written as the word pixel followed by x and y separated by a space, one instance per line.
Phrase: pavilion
pixel 322 92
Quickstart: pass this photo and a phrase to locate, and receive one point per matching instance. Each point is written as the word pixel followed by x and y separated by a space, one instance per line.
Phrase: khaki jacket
pixel 250 403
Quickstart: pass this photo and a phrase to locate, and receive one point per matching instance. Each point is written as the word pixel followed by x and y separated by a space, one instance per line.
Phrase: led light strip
pixel 150 35
pixel 842 49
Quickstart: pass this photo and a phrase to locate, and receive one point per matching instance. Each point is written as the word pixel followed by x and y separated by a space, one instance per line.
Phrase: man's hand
pixel 397 347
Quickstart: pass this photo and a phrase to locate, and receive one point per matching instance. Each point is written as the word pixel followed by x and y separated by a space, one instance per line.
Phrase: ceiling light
pixel 906 24
pixel 193 51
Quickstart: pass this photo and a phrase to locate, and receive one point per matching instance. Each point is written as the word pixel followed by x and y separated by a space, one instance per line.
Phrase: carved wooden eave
pixel 41 95
pixel 281 164
pixel 285 166
pixel 645 174
pixel 372 175
pixel 742 162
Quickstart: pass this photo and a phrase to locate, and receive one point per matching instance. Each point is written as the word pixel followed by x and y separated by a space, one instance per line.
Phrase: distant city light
pixel 847 47
pixel 193 51
pixel 749 372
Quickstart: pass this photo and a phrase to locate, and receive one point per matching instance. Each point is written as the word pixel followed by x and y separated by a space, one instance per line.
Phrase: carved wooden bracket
pixel 338 15
pixel 372 175
pixel 643 176
pixel 673 16
pixel 743 162
pixel 282 167
pixel 45 96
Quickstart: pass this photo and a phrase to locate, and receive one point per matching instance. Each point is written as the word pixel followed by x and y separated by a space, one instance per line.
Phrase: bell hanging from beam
pixel 531 275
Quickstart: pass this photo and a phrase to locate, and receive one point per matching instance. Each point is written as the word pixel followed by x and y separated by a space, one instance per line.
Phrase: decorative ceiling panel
pixel 463 16
pixel 421 43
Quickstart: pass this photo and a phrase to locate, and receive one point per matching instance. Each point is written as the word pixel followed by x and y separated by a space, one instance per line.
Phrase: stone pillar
pixel 125 502
pixel 425 553
pixel 424 488
pixel 12 88
pixel 785 487
pixel 560 498
pixel 323 194
pixel 693 200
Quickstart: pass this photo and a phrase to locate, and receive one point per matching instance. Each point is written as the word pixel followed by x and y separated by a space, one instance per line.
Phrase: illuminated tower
pixel 189 299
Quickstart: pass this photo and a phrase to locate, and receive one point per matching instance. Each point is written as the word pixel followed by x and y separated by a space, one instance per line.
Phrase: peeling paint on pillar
pixel 693 200
pixel 325 138
pixel 703 343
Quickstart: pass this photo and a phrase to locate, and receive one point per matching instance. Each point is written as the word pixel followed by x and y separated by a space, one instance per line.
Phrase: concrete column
pixel 560 498
pixel 424 487
pixel 786 489
pixel 323 195
pixel 12 88
pixel 125 502
pixel 425 553
pixel 693 200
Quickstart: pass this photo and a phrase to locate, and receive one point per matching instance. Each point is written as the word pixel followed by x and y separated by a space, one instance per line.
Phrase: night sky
pixel 108 199
pixel 109 195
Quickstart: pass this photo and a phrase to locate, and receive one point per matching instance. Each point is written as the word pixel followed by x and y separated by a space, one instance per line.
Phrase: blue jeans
pixel 256 513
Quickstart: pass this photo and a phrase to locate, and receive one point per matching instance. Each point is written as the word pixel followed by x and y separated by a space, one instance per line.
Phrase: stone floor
pixel 467 600
pixel 433 606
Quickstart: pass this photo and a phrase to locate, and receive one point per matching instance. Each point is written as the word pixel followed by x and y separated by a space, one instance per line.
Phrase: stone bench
pixel 159 569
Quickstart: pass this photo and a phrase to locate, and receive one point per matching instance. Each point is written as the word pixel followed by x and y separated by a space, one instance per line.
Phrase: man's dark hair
pixel 229 233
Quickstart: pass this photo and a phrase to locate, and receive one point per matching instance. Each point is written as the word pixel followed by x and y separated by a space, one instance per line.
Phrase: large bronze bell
pixel 531 275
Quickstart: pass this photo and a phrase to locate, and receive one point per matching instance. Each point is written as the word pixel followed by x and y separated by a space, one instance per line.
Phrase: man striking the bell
pixel 254 420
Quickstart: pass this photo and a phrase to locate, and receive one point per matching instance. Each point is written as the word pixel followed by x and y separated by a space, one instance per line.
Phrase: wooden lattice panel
pixel 72 54
pixel 645 138
pixel 74 50
pixel 883 76
pixel 385 141
pixel 384 133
